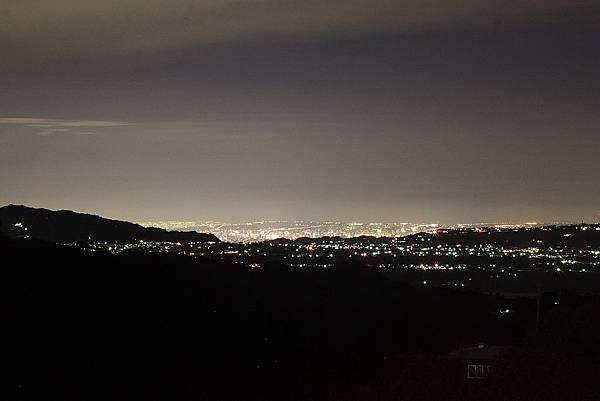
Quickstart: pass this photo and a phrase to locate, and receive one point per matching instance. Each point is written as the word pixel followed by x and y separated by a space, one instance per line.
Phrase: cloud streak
pixel 55 126
pixel 52 131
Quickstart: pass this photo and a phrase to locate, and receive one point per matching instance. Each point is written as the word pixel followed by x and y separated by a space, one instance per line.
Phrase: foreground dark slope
pixel 157 326
pixel 65 226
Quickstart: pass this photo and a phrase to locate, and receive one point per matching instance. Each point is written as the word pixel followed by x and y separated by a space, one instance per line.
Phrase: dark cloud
pixel 66 28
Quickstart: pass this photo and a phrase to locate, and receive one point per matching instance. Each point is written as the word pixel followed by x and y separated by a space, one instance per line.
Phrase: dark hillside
pixel 87 325
pixel 65 226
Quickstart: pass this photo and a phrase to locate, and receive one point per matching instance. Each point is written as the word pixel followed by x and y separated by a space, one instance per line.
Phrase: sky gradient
pixel 327 110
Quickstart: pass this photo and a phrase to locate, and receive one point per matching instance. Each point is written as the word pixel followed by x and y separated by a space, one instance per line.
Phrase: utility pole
pixel 538 308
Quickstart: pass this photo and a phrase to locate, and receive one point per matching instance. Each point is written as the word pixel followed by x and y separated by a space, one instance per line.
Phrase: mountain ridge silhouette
pixel 67 226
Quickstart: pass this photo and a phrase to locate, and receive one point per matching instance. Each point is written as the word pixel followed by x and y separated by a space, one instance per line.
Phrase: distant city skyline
pixel 172 219
pixel 270 230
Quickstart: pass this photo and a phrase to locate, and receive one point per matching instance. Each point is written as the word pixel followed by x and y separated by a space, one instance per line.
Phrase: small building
pixel 478 362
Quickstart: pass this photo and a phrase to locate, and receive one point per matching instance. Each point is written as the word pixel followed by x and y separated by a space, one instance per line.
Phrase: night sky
pixel 438 111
